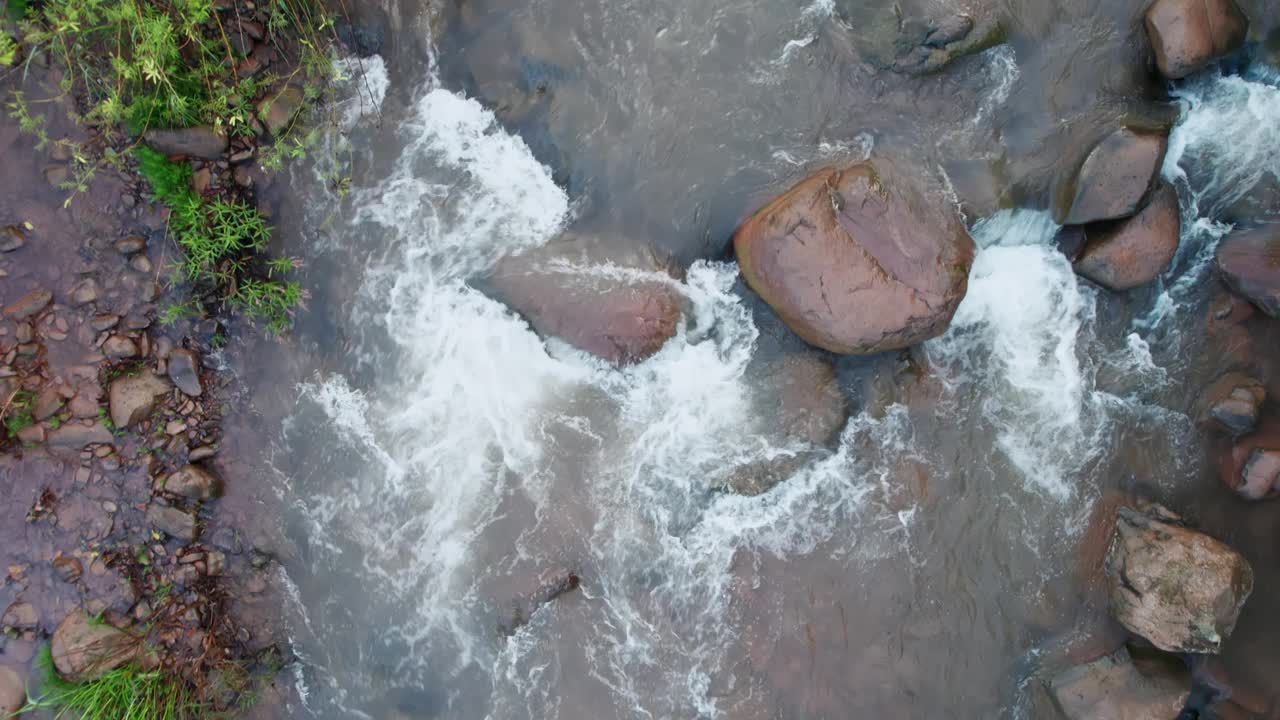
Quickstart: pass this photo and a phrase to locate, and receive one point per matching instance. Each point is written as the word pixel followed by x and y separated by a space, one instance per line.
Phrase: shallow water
pixel 441 461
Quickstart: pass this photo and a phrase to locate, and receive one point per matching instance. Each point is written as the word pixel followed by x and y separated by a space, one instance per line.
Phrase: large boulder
pixel 1189 34
pixel 1180 589
pixel 1130 253
pixel 859 259
pixel 1114 179
pixel 84 648
pixel 1112 688
pixel 621 314
pixel 133 398
pixel 1249 262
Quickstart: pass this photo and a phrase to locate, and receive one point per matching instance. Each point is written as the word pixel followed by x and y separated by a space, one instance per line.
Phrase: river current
pixel 440 461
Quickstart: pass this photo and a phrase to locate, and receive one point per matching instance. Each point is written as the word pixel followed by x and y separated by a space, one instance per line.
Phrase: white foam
pixel 363 84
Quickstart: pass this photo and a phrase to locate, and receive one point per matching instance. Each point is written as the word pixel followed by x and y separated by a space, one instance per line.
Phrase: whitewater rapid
pixel 460 456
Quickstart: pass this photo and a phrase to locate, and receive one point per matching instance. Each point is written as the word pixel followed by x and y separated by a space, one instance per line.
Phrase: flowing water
pixel 441 461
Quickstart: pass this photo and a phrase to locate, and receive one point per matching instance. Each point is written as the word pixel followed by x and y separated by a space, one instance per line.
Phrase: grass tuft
pixel 127 693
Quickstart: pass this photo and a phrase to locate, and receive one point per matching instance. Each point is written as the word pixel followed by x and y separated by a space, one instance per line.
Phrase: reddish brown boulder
pixel 1113 688
pixel 1249 262
pixel 1252 467
pixel 1130 253
pixel 1114 178
pixel 1189 34
pixel 617 314
pixel 1180 589
pixel 1234 402
pixel 860 259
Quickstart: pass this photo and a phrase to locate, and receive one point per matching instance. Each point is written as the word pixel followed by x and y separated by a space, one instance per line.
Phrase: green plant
pixel 127 693
pixel 8 49
pixel 17 412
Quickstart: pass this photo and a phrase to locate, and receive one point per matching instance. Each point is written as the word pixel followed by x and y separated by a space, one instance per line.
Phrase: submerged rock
pixel 1249 263
pixel 1112 688
pixel 199 142
pixel 1234 401
pixel 1189 34
pixel 133 398
pixel 193 482
pixel 1180 589
pixel 13 692
pixel 30 304
pixel 84 649
pixel 1130 253
pixel 1114 179
pixel 623 315
pixel 860 259
pixel 74 435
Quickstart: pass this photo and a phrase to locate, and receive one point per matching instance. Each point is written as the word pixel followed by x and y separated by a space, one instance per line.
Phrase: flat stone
pixel 119 347
pixel 83 649
pixel 173 521
pixel 193 482
pixel 12 238
pixel 203 452
pixel 1111 688
pixel 200 142
pixel 1247 262
pixel 184 371
pixel 30 304
pixel 131 245
pixel 74 435
pixel 21 615
pixel 104 322
pixel 133 398
pixel 32 435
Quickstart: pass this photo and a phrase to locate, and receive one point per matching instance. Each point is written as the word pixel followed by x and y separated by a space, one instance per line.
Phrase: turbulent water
pixel 446 460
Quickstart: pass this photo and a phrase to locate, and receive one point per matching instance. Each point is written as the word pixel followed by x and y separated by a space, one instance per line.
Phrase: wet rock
pixel 130 245
pixel 193 482
pixel 1253 470
pixel 173 521
pixel 141 263
pixel 240 41
pixel 133 398
pixel 1112 688
pixel 278 110
pixel 203 452
pixel 24 333
pixel 74 435
pixel 1249 262
pixel 85 292
pixel 13 692
pixel 20 616
pixel 30 304
pixel 1189 34
pixel 200 180
pixel 56 176
pixel 620 319
pixel 1070 241
pixel 199 142
pixel 48 402
pixel 858 260
pixel 1115 177
pixel 216 563
pixel 104 322
pixel 12 238
pixel 1180 589
pixel 32 435
pixel 84 649
pixel 119 347
pixel 1234 401
pixel 1130 253
pixel 69 569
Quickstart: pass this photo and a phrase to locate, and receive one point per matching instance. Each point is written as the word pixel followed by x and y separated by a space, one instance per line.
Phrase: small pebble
pixel 140 263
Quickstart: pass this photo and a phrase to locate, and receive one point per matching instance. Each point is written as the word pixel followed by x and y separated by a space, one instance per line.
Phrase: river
pixel 439 459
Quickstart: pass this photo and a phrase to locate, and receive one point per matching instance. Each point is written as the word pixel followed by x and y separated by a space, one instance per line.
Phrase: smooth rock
pixel 74 435
pixel 1252 467
pixel 85 292
pixel 1180 589
pixel 184 371
pixel 32 435
pixel 68 568
pixel 1249 262
pixel 83 649
pixel 119 347
pixel 133 398
pixel 12 238
pixel 141 263
pixel 30 304
pixel 859 260
pixel 1115 177
pixel 20 615
pixel 173 521
pixel 620 319
pixel 1186 35
pixel 48 402
pixel 1112 688
pixel 130 245
pixel 277 110
pixel 1130 253
pixel 13 692
pixel 199 142
pixel 1234 401
pixel 193 482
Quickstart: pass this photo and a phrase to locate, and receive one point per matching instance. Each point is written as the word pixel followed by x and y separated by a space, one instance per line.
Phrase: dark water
pixel 442 462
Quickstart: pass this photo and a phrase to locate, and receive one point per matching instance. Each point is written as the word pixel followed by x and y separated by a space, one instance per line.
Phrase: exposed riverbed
pixel 441 464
